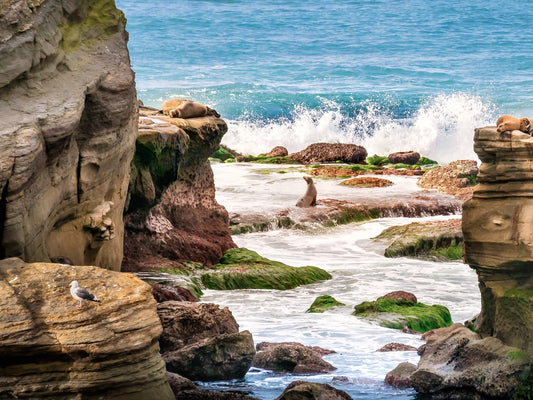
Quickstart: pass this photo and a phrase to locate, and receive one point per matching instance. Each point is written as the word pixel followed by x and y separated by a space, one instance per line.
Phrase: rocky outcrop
pixel 367 182
pixel 458 362
pixel 203 342
pixel 52 350
pixel 292 357
pixel 312 391
pixel 330 152
pixel 172 213
pixel 456 178
pixel 438 240
pixel 499 236
pixel 68 128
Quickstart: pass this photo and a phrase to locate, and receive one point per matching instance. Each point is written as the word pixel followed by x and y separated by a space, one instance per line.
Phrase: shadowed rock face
pixel 68 128
pixel 52 350
pixel 498 233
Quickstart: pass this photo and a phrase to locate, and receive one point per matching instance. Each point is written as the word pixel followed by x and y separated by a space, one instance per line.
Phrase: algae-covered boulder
pixel 323 303
pixel 401 314
pixel 245 269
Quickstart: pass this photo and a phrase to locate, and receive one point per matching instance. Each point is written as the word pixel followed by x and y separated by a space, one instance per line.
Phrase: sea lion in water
pixel 309 198
pixel 509 123
pixel 181 108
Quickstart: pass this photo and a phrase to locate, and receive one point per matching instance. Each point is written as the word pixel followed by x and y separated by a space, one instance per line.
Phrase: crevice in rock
pixel 78 179
pixel 3 212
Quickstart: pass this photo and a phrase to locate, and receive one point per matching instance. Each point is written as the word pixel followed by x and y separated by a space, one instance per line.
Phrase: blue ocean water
pixel 391 75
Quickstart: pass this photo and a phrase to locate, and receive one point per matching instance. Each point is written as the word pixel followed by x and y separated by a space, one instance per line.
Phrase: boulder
pixel 202 342
pixel 456 178
pixel 331 152
pixel 400 377
pixel 404 157
pixel 52 350
pixel 224 357
pixel 312 391
pixel 439 240
pixel 401 296
pixel 185 323
pixel 457 361
pixel 172 213
pixel 278 151
pixel 396 347
pixel 68 128
pixel 323 303
pixel 169 293
pixel 292 357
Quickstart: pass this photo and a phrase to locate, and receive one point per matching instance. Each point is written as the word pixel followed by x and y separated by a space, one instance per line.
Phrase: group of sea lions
pixel 509 123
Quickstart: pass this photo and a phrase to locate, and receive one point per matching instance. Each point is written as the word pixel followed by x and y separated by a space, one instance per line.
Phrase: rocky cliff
pixel 68 129
pixel 498 234
pixel 172 215
pixel 50 349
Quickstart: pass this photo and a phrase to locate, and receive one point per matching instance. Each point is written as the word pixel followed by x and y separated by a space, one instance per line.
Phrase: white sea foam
pixel 442 128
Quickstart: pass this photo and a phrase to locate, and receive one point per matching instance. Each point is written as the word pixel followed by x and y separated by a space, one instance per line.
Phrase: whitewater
pixel 387 75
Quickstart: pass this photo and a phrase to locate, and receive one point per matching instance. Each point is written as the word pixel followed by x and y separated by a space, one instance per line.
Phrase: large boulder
pixel 292 357
pixel 202 342
pixel 172 214
pixel 456 178
pixel 50 349
pixel 457 361
pixel 312 391
pixel 404 157
pixel 330 152
pixel 68 128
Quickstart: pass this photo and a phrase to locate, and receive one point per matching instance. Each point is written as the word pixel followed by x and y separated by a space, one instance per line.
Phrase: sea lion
pixel 509 123
pixel 180 108
pixel 309 198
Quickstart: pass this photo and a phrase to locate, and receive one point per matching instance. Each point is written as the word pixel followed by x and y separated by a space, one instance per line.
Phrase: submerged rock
pixel 202 342
pixel 245 269
pixel 292 357
pixel 436 239
pixel 323 303
pixel 368 182
pixel 52 350
pixel 312 391
pixel 404 314
pixel 396 347
pixel 330 152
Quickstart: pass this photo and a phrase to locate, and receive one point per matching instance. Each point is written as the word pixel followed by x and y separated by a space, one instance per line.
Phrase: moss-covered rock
pixel 323 303
pixel 222 154
pixel 377 160
pixel 400 314
pixel 241 268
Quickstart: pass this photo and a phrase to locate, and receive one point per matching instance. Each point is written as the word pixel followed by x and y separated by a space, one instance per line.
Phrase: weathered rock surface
pixel 202 342
pixel 404 157
pixel 456 178
pixel 436 239
pixel 330 152
pixel 171 293
pixel 292 357
pixel 312 391
pixel 400 377
pixel 52 350
pixel 457 361
pixel 396 347
pixel 68 128
pixel 367 181
pixel 278 151
pixel 401 296
pixel 172 213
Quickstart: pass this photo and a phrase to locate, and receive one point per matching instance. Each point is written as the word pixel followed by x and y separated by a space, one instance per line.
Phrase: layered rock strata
pixel 52 350
pixel 172 215
pixel 68 128
pixel 498 234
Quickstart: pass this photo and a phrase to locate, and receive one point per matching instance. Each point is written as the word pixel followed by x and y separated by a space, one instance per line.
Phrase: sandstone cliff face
pixel 52 350
pixel 172 215
pixel 498 234
pixel 68 128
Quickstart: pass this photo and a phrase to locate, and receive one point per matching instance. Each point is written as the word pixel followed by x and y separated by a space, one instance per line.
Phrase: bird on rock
pixel 81 294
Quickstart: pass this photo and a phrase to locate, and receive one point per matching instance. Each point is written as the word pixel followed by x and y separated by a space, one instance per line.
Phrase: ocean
pixel 389 75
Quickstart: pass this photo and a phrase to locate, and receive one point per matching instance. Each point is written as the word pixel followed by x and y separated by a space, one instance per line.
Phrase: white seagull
pixel 81 294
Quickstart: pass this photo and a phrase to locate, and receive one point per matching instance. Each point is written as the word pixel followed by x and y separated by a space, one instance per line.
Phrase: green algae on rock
pixel 323 303
pixel 241 268
pixel 399 314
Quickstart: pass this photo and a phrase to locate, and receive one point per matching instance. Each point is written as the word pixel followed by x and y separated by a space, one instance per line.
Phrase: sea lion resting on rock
pixel 509 123
pixel 309 198
pixel 181 108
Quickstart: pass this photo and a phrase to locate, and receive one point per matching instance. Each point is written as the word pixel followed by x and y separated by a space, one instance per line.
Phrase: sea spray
pixel 441 128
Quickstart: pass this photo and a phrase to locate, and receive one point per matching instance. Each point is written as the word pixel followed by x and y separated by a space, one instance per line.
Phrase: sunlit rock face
pixel 68 127
pixel 498 233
